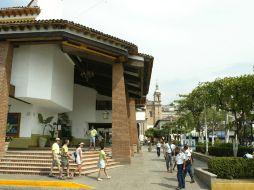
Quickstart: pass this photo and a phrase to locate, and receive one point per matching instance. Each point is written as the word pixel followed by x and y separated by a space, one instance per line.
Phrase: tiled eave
pixel 19 11
pixel 55 25
pixel 147 71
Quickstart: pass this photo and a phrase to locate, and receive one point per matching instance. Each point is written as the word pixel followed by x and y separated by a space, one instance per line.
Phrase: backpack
pixel 74 156
pixel 192 159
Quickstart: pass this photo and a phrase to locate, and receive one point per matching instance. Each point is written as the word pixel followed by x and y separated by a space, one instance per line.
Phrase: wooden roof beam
pixel 135 61
pixel 131 73
pixel 136 85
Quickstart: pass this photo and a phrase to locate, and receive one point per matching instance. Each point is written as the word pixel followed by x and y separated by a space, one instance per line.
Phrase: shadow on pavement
pixel 158 159
pixel 165 185
pixel 201 185
pixel 158 171
pixel 92 177
pixel 171 178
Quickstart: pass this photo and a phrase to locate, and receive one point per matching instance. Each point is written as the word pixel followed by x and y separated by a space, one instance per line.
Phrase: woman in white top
pixel 180 163
pixel 78 158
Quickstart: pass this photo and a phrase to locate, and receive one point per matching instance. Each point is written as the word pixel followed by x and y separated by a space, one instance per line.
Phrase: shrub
pixel 223 149
pixel 250 168
pixel 200 148
pixel 220 151
pixel 231 167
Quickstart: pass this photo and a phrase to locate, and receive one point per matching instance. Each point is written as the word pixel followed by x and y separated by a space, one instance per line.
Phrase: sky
pixel 191 41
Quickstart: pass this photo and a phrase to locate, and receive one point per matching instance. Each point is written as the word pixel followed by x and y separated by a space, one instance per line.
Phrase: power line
pixel 90 8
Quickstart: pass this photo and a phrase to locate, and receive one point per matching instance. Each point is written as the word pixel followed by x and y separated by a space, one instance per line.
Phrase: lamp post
pixel 206 136
pixel 252 123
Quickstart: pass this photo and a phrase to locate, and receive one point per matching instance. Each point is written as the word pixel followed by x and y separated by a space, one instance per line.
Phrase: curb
pixel 44 184
pixel 232 186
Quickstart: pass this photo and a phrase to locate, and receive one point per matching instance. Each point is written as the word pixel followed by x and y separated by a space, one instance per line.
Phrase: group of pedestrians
pixel 61 159
pixel 181 157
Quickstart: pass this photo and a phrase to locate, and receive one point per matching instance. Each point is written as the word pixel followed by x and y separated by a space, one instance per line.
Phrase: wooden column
pixel 6 53
pixel 120 126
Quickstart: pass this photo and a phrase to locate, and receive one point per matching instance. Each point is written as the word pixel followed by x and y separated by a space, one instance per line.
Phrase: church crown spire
pixel 157 93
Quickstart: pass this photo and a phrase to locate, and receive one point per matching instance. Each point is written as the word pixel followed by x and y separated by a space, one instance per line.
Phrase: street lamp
pixel 206 136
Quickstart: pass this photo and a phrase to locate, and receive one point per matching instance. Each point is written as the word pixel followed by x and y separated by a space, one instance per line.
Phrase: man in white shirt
pixel 170 152
pixel 180 163
pixel 158 148
pixel 248 156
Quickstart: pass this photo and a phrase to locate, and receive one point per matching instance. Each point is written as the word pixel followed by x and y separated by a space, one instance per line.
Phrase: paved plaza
pixel 145 172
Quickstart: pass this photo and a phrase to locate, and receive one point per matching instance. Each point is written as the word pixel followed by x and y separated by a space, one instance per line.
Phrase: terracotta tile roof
pixel 14 11
pixel 146 56
pixel 65 24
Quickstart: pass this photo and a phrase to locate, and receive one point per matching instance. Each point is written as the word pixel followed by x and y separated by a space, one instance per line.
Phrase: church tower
pixel 157 104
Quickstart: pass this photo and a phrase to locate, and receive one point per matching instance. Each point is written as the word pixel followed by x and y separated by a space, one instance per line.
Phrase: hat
pixel 57 139
pixel 81 143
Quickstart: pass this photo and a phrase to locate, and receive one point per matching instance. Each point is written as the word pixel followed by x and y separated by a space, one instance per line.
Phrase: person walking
pixel 170 153
pixel 158 148
pixel 100 139
pixel 102 163
pixel 163 148
pixel 92 134
pixel 78 158
pixel 65 156
pixel 188 165
pixel 56 158
pixel 180 163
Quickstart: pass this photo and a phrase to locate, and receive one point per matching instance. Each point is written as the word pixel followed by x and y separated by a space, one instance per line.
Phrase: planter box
pixel 200 156
pixel 205 176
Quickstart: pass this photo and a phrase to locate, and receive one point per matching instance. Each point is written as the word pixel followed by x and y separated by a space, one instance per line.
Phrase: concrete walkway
pixel 147 172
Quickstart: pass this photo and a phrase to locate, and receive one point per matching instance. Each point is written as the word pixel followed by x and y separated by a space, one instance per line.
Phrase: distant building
pixel 154 108
pixel 158 114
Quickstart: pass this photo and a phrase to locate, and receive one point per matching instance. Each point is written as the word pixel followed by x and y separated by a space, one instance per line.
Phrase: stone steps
pixel 41 156
pixel 55 172
pixel 47 164
pixel 43 168
pixel 38 162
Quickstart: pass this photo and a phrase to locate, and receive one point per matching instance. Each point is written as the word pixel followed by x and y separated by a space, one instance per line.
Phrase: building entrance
pixel 104 130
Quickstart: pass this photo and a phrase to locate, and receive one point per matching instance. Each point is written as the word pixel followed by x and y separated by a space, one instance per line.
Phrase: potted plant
pixel 45 123
pixel 150 134
pixel 52 130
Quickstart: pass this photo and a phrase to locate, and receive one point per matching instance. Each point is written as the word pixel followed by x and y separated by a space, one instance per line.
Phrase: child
pixel 180 163
pixel 102 163
pixel 78 158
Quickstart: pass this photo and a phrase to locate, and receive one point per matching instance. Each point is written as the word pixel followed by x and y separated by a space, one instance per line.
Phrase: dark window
pixel 103 105
pixel 151 113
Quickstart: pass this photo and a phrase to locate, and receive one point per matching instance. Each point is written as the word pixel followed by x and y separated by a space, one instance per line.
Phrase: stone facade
pixel 133 125
pixel 121 149
pixel 6 52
